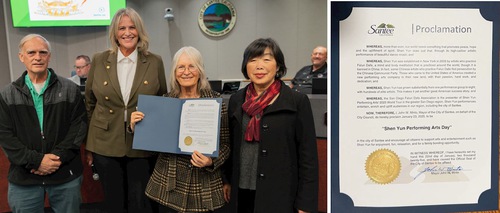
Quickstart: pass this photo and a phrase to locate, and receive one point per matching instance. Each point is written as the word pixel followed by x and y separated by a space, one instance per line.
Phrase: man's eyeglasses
pixel 80 67
pixel 191 68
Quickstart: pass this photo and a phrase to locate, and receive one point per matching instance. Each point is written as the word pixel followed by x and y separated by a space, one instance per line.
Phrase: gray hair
pixel 84 57
pixel 31 36
pixel 195 55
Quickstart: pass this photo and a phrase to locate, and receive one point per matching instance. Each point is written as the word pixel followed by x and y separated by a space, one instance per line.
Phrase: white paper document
pixel 415 94
pixel 199 126
pixel 178 126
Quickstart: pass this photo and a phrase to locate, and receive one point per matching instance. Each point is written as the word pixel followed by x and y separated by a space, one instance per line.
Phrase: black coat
pixel 287 172
pixel 64 129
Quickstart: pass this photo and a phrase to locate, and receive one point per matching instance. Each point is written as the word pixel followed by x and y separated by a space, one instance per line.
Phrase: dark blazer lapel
pixel 285 101
pixel 140 72
pixel 111 68
pixel 239 99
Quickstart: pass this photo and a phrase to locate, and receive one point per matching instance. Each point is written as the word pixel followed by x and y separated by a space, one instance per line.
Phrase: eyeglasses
pixel 80 67
pixel 191 68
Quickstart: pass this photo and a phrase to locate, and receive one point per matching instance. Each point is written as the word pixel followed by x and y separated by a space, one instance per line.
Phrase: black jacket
pixel 65 127
pixel 287 177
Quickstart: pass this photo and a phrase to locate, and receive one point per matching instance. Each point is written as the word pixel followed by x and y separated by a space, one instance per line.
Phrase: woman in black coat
pixel 274 163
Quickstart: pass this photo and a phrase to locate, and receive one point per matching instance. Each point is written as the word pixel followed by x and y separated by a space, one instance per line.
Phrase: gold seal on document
pixel 383 166
pixel 188 140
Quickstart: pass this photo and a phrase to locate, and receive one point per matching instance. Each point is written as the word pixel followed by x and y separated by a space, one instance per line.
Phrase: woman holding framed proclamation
pixel 188 183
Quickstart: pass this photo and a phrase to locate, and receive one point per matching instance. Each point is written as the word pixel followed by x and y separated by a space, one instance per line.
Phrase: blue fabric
pixel 63 198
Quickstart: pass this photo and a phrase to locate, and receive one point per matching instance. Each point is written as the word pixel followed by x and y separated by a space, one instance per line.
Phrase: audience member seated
pixel 302 82
pixel 82 67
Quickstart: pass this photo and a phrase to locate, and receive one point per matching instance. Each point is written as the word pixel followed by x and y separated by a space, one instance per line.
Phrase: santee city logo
pixel 382 29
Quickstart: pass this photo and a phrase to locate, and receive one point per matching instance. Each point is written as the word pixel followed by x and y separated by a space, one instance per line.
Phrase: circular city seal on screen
pixel 217 17
pixel 383 166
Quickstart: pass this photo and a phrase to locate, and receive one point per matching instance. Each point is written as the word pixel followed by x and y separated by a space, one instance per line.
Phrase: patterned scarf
pixel 254 106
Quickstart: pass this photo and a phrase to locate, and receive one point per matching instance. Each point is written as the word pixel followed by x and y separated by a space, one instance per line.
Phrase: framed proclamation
pixel 178 126
pixel 414 106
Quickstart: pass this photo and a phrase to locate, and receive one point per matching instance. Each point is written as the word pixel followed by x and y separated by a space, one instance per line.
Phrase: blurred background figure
pixel 82 67
pixel 302 82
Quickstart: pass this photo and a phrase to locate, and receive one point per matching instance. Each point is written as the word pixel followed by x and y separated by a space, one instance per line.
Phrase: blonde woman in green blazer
pixel 116 79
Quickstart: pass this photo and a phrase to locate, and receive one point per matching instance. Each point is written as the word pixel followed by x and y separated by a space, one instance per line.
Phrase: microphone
pixel 95 176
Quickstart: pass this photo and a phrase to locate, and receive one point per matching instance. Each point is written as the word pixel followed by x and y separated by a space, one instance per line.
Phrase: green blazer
pixel 107 133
